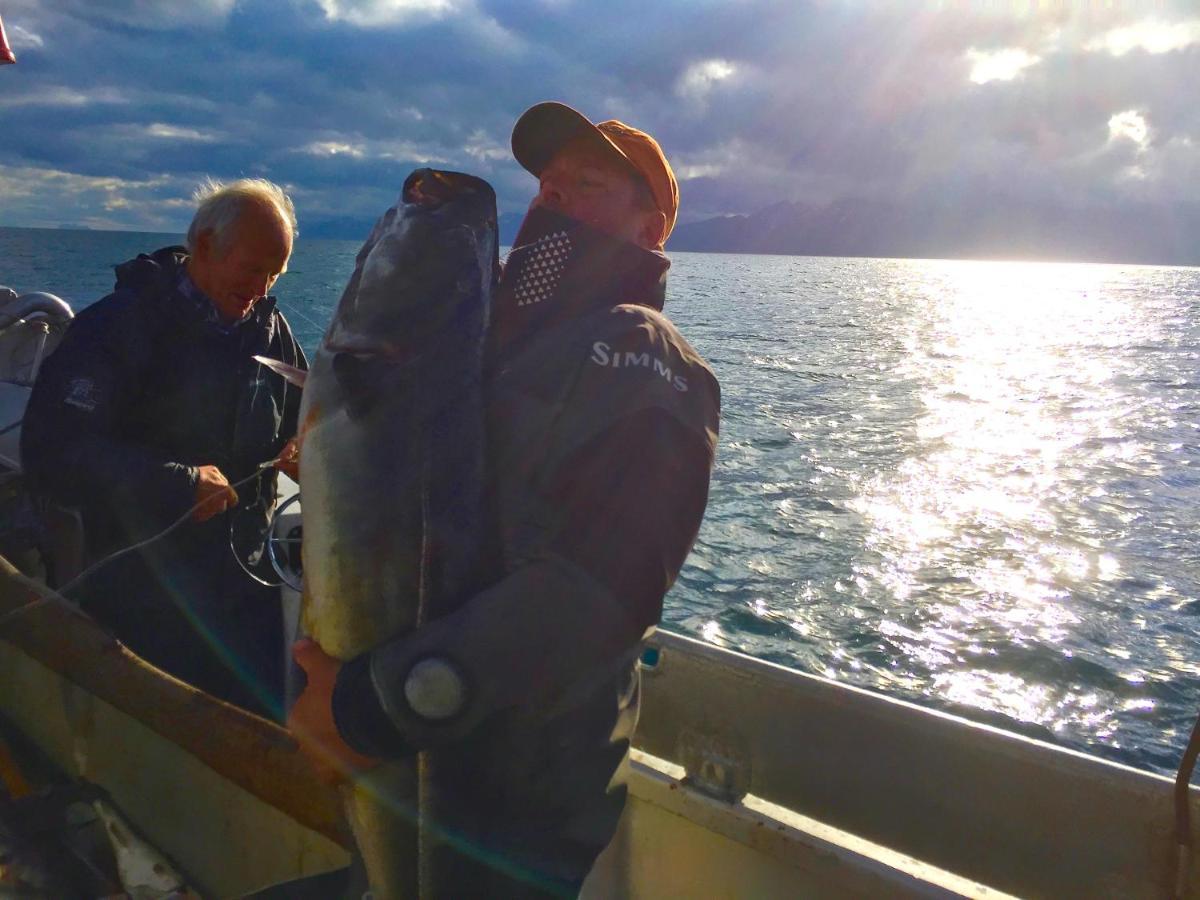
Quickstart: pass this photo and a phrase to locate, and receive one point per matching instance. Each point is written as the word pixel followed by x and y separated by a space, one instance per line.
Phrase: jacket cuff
pixel 360 717
pixel 175 490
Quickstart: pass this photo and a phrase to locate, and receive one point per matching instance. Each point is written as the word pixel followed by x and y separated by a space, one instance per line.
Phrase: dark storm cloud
pixel 119 107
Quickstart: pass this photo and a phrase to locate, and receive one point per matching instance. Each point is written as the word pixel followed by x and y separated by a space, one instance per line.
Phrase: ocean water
pixel 971 485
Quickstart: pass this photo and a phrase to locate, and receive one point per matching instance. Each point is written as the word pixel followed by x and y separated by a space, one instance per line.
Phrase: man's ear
pixel 652 234
pixel 203 249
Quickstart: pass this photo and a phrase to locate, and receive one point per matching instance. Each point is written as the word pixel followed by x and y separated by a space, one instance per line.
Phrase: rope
pixel 59 595
pixel 309 320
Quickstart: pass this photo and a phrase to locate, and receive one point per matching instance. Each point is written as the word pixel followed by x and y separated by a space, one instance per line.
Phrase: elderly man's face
pixel 594 187
pixel 237 274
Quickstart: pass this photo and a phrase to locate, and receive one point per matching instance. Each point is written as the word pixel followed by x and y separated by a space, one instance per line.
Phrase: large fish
pixel 391 466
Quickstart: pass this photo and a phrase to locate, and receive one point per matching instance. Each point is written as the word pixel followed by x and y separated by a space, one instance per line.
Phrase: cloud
pixel 715 160
pixel 999 65
pixel 154 15
pixel 175 133
pixel 24 37
pixel 376 13
pixel 755 102
pixel 482 148
pixel 51 96
pixel 1151 36
pixel 1129 125
pixel 699 78
pixel 359 148
pixel 97 202
pixel 334 148
pixel 698 170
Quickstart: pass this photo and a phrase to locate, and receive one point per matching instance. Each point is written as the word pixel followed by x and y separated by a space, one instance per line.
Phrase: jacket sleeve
pixel 71 442
pixel 625 507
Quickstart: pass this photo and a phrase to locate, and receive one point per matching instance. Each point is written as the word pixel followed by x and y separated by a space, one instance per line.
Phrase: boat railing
pixel 1018 814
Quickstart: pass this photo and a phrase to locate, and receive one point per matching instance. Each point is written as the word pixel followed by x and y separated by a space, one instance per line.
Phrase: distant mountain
pixel 980 229
pixel 352 229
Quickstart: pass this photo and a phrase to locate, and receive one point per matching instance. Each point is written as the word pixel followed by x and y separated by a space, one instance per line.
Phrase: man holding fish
pixel 601 427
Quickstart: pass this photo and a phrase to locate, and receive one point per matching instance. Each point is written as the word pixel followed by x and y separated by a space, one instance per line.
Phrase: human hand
pixel 311 719
pixel 288 460
pixel 214 494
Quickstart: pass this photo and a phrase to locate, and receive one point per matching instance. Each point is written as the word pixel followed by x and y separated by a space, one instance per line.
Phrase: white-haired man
pixel 152 405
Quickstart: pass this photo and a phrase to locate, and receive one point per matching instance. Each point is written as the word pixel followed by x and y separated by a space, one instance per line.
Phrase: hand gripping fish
pixel 392 437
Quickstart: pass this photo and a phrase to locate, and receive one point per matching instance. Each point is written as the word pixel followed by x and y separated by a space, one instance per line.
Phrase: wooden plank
pixel 257 755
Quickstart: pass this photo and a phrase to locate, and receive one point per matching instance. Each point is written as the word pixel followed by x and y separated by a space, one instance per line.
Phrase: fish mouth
pixel 433 188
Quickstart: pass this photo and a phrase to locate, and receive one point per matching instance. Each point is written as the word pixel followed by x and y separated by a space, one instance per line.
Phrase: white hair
pixel 218 206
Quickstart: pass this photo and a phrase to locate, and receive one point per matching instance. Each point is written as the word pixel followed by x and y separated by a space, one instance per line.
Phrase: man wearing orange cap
pixel 602 425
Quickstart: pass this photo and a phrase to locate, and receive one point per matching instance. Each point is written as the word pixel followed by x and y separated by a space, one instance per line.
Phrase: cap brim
pixel 546 128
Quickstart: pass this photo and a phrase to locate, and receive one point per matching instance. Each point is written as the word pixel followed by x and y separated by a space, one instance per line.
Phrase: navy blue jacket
pixel 146 386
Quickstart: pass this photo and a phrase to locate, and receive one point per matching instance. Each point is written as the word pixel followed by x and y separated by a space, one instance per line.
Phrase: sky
pixel 117 109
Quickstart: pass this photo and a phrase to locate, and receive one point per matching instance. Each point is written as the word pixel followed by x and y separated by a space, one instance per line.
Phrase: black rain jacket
pixel 146 386
pixel 602 429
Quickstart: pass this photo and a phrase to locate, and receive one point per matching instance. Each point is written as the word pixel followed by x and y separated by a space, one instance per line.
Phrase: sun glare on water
pixel 1015 381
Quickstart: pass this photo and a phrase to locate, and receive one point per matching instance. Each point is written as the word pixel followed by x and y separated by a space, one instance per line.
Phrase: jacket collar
pixel 164 273
pixel 206 311
pixel 559 269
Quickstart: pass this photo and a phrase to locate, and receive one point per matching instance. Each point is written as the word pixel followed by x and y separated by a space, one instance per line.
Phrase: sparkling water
pixel 971 485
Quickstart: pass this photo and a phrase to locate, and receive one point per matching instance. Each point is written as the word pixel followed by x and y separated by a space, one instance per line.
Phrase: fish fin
pixel 358 377
pixel 291 374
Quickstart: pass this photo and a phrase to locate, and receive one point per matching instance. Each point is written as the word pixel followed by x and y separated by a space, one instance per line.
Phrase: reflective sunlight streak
pixel 1006 396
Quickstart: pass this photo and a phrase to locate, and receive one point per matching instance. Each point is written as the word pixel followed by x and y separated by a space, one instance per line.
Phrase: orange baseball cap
pixel 545 128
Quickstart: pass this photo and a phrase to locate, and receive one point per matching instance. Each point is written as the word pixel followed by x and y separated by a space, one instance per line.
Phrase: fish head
pixel 429 263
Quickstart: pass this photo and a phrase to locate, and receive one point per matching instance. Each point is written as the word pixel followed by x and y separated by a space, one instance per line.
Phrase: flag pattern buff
pixel 543 268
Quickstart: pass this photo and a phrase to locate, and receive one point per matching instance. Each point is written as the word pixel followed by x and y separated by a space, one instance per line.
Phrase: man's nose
pixel 550 195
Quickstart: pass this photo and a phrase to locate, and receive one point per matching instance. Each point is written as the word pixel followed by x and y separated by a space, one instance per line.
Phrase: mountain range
pixel 1000 229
